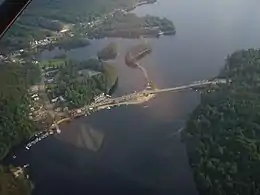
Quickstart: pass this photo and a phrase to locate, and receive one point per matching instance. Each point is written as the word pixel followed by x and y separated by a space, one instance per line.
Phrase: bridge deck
pixel 134 96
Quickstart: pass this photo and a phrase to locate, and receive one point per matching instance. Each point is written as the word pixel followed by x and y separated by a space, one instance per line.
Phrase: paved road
pixel 136 97
pixel 181 87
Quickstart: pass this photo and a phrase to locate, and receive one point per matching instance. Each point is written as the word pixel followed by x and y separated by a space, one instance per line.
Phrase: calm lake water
pixel 139 154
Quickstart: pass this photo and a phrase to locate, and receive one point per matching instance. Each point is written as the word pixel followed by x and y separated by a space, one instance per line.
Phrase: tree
pixel 15 124
pixel 222 134
pixel 108 53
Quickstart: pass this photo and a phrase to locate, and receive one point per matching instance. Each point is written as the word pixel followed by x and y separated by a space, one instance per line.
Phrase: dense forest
pixel 223 133
pixel 45 18
pixel 108 53
pixel 72 43
pixel 132 26
pixel 79 82
pixel 14 100
pixel 15 125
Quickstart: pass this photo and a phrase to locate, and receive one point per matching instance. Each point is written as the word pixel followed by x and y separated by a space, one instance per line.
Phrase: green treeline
pixel 72 43
pixel 108 53
pixel 164 24
pixel 15 125
pixel 131 26
pixel 45 18
pixel 223 133
pixel 41 22
pixel 79 82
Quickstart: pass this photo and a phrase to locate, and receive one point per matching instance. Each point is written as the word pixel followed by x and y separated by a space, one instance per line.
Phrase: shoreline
pixel 34 54
pixel 52 45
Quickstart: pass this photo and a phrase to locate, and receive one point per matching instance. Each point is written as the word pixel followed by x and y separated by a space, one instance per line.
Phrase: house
pixel 64 30
pixel 35 95
pixel 62 99
pixel 54 100
pixel 49 81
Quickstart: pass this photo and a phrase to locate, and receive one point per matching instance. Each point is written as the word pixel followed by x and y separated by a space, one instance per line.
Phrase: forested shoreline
pixel 15 123
pixel 48 24
pixel 222 135
pixel 47 18
pixel 108 53
pixel 14 99
pixel 78 82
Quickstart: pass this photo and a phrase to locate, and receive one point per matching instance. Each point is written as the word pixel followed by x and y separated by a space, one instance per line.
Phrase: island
pixel 136 53
pixel 108 53
pixel 72 43
pixel 222 135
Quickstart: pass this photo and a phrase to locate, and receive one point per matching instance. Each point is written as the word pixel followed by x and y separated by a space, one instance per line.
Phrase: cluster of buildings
pixel 36 107
pixel 98 21
pixel 40 136
pixel 49 75
pixel 100 98
pixel 48 40
pixel 20 172
pixel 3 57
pixel 45 41
pixel 12 57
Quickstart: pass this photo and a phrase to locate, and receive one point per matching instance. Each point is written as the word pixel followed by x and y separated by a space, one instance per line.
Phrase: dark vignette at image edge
pixel 10 10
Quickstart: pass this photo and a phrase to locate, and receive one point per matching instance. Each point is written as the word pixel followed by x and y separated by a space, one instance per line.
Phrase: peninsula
pixel 222 135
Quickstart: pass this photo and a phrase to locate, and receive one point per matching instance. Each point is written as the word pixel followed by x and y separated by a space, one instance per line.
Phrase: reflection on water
pixel 114 88
pixel 82 135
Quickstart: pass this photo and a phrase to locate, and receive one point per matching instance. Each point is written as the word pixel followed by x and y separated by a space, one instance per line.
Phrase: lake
pixel 140 153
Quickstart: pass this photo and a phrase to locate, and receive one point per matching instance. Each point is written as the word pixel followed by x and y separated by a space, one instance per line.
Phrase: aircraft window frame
pixel 10 10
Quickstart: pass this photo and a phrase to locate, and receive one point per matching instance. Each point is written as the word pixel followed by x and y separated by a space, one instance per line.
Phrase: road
pixel 143 96
pixel 45 98
pixel 47 104
pixel 133 58
pixel 133 98
pixel 181 87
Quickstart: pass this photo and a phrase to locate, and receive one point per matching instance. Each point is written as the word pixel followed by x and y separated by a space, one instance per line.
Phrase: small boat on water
pixel 146 106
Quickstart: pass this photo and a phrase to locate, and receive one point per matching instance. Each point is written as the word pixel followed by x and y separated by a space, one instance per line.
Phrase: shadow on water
pixel 142 151
pixel 77 171
pixel 138 156
pixel 71 170
pixel 60 167
pixel 114 88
